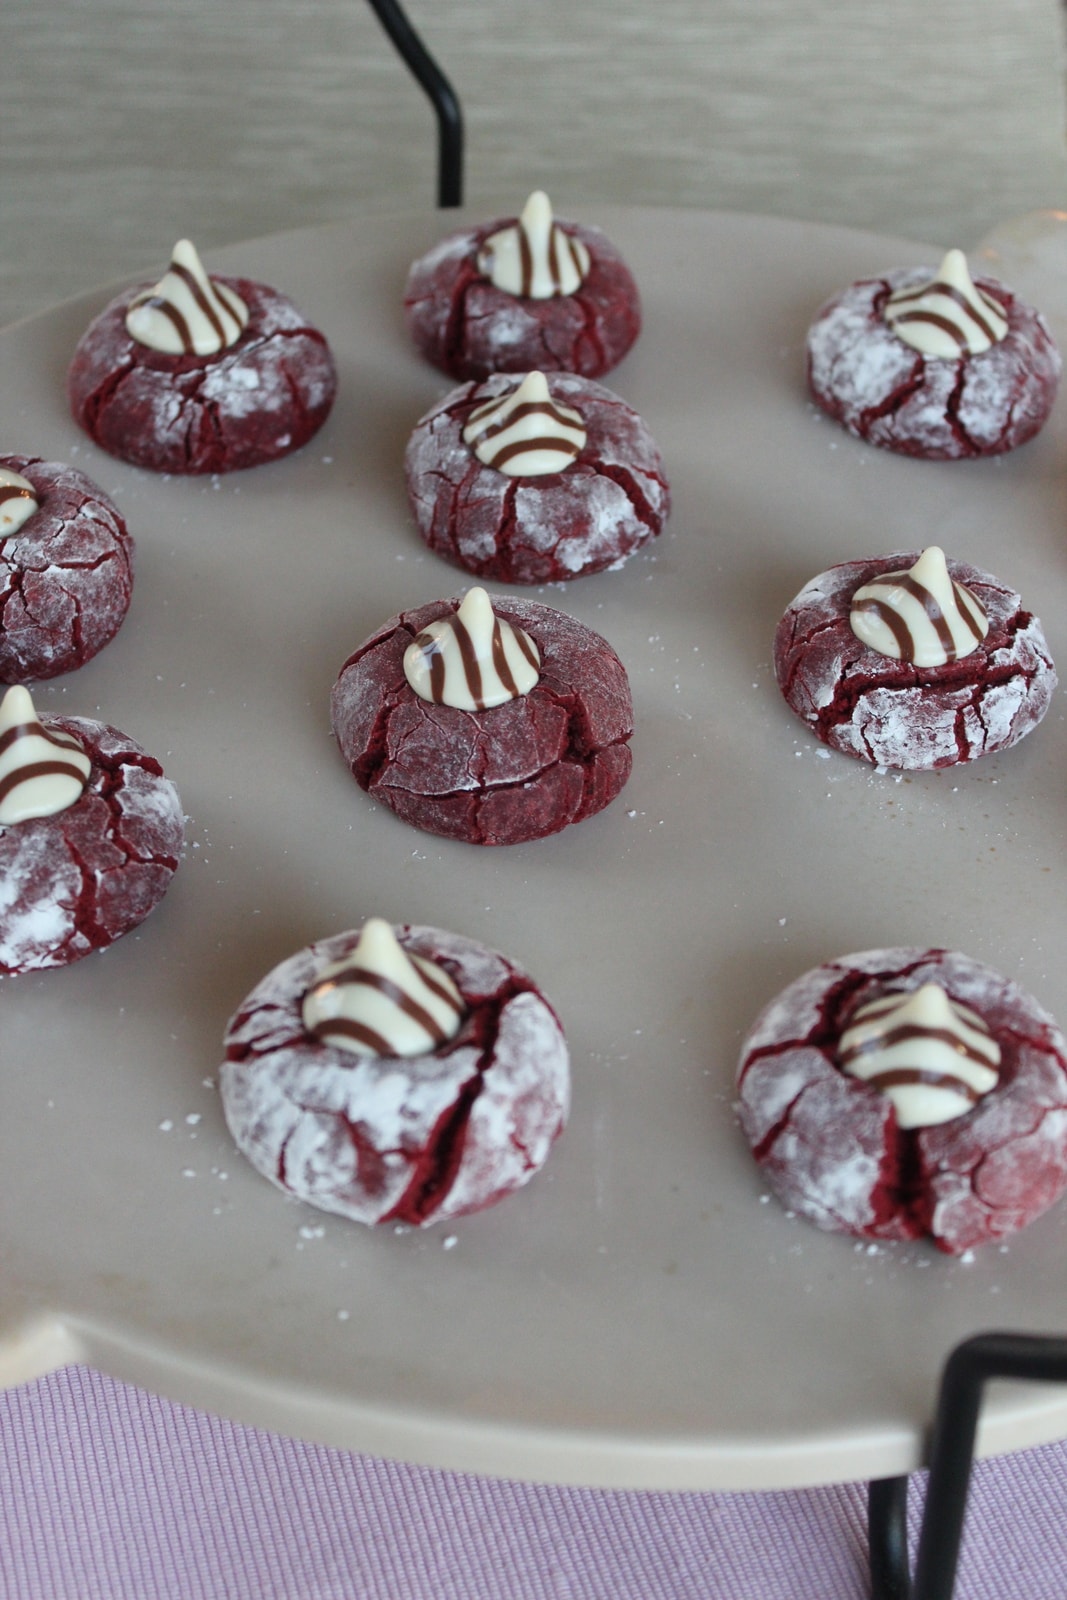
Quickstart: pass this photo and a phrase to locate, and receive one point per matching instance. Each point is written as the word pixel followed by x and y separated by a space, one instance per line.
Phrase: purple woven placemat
pixel 107 1492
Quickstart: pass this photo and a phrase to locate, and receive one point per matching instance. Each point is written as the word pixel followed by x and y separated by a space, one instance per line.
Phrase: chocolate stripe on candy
pixel 379 1001
pixel 524 432
pixel 167 310
pixel 29 775
pixel 187 313
pixel 933 1058
pixel 201 299
pixel 913 1077
pixel 565 262
pixel 956 328
pixel 923 615
pixel 468 656
pixel 18 501
pixel 526 261
pixel 904 1033
pixel 351 977
pixel 472 659
pixel 948 316
pixel 534 257
pixel 40 772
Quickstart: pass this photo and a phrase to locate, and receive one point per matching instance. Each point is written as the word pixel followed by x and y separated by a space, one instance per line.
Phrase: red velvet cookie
pixel 74 882
pixel 516 771
pixel 896 714
pixel 415 1139
pixel 863 374
pixel 262 397
pixel 462 323
pixel 831 1146
pixel 592 514
pixel 65 574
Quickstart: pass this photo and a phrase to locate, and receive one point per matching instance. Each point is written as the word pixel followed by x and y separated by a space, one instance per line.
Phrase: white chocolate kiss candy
pixel 379 1001
pixel 18 502
pixel 40 772
pixel 934 1058
pixel 472 659
pixel 534 257
pixel 922 615
pixel 524 432
pixel 947 317
pixel 187 313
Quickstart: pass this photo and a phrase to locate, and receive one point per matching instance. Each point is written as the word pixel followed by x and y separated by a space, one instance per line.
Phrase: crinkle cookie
pixel 969 700
pixel 934 364
pixel 523 293
pixel 931 1034
pixel 449 1128
pixel 235 375
pixel 66 571
pixel 535 480
pixel 91 832
pixel 551 749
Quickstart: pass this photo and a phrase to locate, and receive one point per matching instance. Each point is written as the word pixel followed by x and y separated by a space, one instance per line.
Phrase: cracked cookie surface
pixel 76 881
pixel 515 772
pixel 465 326
pixel 883 391
pixel 609 502
pixel 65 576
pixel 830 1147
pixel 411 1140
pixel 262 397
pixel 898 715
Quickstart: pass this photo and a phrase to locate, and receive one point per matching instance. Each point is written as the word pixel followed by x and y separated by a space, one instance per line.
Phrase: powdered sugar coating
pixel 885 392
pixel 76 881
pixel 417 1139
pixel 895 714
pixel 516 772
pixel 468 328
pixel 65 577
pixel 829 1144
pixel 260 398
pixel 613 499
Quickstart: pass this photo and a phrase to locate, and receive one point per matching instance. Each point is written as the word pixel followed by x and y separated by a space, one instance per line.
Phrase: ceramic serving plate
pixel 643 1313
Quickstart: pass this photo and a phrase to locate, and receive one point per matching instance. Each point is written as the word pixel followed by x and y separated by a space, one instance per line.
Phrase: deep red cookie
pixel 830 1147
pixel 468 328
pixel 515 772
pixel 592 515
pixel 65 576
pixel 865 376
pixel 897 715
pixel 399 1139
pixel 75 882
pixel 261 398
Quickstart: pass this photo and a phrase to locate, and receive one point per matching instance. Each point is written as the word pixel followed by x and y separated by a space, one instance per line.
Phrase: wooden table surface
pixel 125 124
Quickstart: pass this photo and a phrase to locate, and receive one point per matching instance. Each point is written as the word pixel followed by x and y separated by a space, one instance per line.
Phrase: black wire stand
pixel 969 1367
pixel 978 1359
pixel 443 98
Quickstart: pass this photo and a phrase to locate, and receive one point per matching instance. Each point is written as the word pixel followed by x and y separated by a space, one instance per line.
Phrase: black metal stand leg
pixel 887 1534
pixel 442 95
pixel 968 1368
